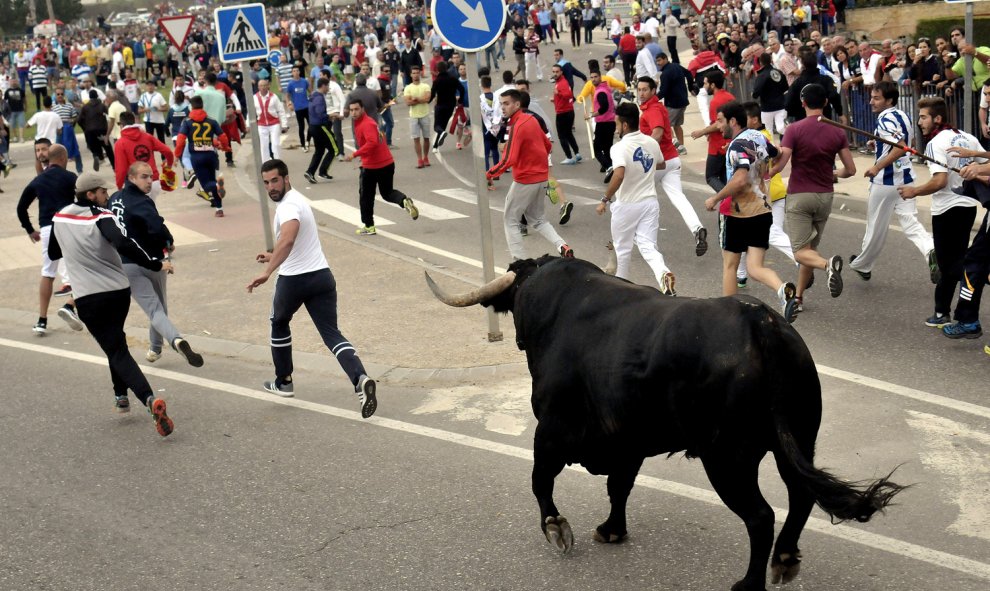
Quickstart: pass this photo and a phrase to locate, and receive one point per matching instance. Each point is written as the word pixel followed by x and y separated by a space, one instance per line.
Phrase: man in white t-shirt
pixel 869 64
pixel 152 107
pixel 304 279
pixel 49 124
pixel 635 211
pixel 952 214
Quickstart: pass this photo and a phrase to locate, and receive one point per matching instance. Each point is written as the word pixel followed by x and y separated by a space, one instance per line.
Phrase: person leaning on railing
pixel 981 60
pixel 927 69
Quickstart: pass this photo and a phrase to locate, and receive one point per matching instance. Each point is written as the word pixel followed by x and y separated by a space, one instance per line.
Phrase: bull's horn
pixel 485 292
pixel 613 261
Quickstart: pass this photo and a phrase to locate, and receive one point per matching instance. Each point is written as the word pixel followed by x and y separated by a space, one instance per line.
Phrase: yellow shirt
pixel 90 56
pixel 419 91
pixel 777 190
pixel 128 54
pixel 590 88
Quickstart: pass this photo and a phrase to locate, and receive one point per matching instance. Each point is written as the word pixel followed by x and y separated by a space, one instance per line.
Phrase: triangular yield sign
pixel 699 5
pixel 177 28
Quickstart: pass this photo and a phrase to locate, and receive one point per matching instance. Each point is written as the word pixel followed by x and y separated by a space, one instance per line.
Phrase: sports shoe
pixel 96 165
pixel 864 275
pixel 937 320
pixel 788 301
pixel 366 396
pixel 221 192
pixel 182 346
pixel 741 282
pixel 681 150
pixel 41 326
pixel 566 251
pixel 565 212
pixel 419 163
pixel 152 356
pixel 799 304
pixel 578 157
pixel 324 177
pixel 436 150
pixel 426 161
pixel 284 389
pixel 230 164
pixel 700 241
pixel 986 349
pixel 366 231
pixel 309 178
pixel 204 196
pixel 192 181
pixel 121 404
pixel 71 318
pixel 305 148
pixel 408 205
pixel 667 284
pixel 65 290
pixel 459 145
pixel 933 271
pixel 165 426
pixel 218 213
pixel 833 275
pixel 963 330
pixel 569 161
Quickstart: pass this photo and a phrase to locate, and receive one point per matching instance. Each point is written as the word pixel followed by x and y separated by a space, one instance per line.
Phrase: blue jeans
pixel 388 123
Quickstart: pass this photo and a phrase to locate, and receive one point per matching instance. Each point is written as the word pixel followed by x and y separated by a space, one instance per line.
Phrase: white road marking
pixel 465 196
pixel 848 533
pixel 437 213
pixel 434 250
pixel 963 454
pixel 584 184
pixel 344 212
pixel 505 410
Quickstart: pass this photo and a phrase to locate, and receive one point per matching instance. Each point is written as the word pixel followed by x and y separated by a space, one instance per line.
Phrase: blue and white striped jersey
pixel 894 125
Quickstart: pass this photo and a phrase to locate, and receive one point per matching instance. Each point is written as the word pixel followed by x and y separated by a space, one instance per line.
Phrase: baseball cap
pixel 90 181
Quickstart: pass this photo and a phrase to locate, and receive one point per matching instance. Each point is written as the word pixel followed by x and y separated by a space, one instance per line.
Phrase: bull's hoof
pixel 784 568
pixel 558 533
pixel 605 535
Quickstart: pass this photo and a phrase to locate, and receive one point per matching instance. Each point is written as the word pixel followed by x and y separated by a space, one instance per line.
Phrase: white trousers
pixel 534 70
pixel 637 224
pixel 774 120
pixel 669 180
pixel 703 100
pixel 271 141
pixel 778 237
pixel 885 202
pixel 527 200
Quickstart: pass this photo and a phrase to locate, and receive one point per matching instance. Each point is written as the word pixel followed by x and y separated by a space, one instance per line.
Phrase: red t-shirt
pixel 563 98
pixel 814 147
pixel 627 43
pixel 717 143
pixel 654 114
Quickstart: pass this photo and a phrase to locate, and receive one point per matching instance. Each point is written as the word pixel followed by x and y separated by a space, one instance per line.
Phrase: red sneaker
pixel 164 424
pixel 426 160
pixel 567 252
pixel 419 163
pixel 218 214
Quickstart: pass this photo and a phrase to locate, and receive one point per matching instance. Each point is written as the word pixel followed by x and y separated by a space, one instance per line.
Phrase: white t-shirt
pixel 49 125
pixel 871 69
pixel 945 199
pixel 152 101
pixel 307 252
pixel 638 154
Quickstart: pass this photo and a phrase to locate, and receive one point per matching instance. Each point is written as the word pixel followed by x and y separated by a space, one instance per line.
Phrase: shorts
pixel 141 63
pixel 16 119
pixel 676 116
pixel 420 127
pixel 48 267
pixel 740 234
pixel 806 215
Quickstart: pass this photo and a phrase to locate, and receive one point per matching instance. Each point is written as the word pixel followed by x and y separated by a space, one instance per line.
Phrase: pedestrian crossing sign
pixel 241 32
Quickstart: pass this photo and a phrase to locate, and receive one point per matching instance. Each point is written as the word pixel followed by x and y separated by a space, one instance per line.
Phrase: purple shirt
pixel 814 146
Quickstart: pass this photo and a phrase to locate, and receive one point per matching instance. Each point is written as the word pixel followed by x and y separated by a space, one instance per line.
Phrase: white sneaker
pixel 152 356
pixel 71 318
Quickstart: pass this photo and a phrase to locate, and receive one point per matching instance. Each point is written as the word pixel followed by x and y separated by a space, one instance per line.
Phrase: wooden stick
pixel 877 138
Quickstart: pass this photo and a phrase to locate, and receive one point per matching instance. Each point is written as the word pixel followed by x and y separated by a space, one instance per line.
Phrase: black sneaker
pixel 122 404
pixel 833 274
pixel 366 396
pixel 788 301
pixel 608 175
pixel 565 212
pixel 864 275
pixel 40 327
pixel 96 165
pixel 700 241
pixel 192 181
pixel 192 358
pixel 937 320
pixel 324 177
pixel 309 177
pixel 741 282
pixel 65 290
pixel 284 389
pixel 934 273
pixel 963 330
pixel 71 318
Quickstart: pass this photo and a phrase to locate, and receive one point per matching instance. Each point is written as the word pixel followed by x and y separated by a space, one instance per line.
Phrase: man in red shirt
pixel 563 106
pixel 654 121
pixel 715 165
pixel 627 49
pixel 377 169
pixel 136 144
pixel 525 153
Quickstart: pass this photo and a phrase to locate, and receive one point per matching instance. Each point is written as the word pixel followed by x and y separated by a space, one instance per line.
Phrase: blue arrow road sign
pixel 469 25
pixel 241 32
pixel 275 57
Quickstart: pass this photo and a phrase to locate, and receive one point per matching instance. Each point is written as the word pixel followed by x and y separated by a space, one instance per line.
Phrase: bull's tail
pixel 841 500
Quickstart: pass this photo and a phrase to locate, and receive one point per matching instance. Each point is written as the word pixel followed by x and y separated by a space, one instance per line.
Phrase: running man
pixel 635 211
pixel 206 137
pixel 304 279
pixel 89 238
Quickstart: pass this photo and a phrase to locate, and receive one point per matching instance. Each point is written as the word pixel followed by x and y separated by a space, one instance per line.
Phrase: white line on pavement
pixel 465 196
pixel 843 532
pixel 344 212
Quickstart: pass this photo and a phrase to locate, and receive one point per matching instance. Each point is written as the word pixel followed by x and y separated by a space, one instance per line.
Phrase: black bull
pixel 622 373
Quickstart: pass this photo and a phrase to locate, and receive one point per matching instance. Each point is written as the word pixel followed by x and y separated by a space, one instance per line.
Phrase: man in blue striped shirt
pixel 891 171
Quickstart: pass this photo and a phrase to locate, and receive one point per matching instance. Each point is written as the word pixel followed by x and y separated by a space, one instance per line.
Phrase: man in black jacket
pixel 137 214
pixel 810 74
pixel 93 121
pixel 771 88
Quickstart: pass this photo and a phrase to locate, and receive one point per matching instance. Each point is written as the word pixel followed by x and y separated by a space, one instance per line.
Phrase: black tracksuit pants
pixel 317 290
pixel 377 180
pixel 326 149
pixel 104 315
pixel 604 133
pixel 302 117
pixel 950 232
pixel 565 124
pixel 976 265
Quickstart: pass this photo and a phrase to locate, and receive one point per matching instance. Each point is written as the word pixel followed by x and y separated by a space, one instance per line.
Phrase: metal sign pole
pixel 266 218
pixel 484 213
pixel 968 84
